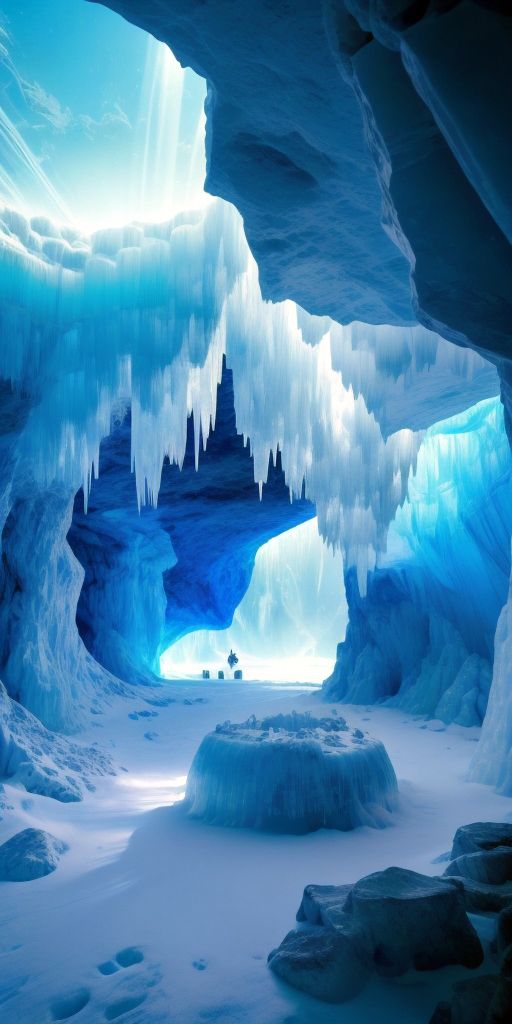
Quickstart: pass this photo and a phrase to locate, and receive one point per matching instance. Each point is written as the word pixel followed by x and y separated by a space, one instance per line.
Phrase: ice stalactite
pixel 142 317
pixel 423 637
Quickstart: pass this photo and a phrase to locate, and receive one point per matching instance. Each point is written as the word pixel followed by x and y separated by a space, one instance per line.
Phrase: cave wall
pixel 151 577
pixel 422 638
pixel 363 144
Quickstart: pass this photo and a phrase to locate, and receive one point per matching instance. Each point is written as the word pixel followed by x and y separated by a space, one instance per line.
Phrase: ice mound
pixel 30 854
pixel 291 773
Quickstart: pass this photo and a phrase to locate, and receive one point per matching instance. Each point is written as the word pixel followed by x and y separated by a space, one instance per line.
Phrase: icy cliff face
pixel 368 160
pixel 143 316
pixel 151 577
pixel 423 636
pixel 289 621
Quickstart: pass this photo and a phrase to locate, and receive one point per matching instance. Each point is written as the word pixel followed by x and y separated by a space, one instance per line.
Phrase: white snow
pixel 204 905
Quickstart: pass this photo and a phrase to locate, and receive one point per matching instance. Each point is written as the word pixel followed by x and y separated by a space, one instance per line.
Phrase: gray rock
pixel 30 854
pixel 494 867
pixel 327 963
pixel 481 835
pixel 414 921
pixel 323 904
pixel 483 1000
pixel 504 930
pixel 480 897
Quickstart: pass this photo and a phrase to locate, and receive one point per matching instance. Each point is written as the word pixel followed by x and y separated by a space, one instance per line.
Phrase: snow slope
pixel 200 907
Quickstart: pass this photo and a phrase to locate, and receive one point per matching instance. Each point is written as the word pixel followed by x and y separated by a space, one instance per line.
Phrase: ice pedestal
pixel 291 773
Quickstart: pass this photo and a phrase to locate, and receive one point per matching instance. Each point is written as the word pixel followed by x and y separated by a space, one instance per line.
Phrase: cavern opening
pixel 255 307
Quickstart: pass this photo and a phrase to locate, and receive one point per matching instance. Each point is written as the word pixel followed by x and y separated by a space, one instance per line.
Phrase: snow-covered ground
pixel 191 911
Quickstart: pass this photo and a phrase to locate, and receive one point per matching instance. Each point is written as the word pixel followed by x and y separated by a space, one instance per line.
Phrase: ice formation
pixel 153 576
pixel 380 194
pixel 289 621
pixel 423 636
pixel 291 773
pixel 143 317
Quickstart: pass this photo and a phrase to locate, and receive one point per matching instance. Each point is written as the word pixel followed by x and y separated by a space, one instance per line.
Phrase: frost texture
pixel 291 773
pixel 44 762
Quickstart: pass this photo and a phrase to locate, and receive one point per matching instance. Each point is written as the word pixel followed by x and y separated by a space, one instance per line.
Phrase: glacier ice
pixel 423 636
pixel 142 317
pixel 154 575
pixel 492 763
pixel 291 773
pixel 288 622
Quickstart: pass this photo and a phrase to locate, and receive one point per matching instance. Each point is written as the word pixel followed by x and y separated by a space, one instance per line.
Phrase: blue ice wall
pixel 142 317
pixel 423 636
pixel 152 577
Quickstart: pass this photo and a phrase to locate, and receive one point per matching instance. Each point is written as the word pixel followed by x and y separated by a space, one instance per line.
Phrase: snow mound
pixel 30 854
pixel 42 761
pixel 291 773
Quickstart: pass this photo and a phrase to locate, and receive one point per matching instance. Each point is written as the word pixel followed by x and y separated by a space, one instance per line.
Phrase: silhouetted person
pixel 232 659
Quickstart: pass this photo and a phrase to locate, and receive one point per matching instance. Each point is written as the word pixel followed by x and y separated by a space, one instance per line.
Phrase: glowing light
pixel 155 790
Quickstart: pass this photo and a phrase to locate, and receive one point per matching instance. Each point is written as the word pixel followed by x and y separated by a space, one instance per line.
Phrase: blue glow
pixel 93 134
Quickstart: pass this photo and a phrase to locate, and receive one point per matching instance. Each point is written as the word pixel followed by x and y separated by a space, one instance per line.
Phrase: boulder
pixel 414 921
pixel 504 930
pixel 388 922
pixel 481 835
pixel 30 854
pixel 483 1000
pixel 494 867
pixel 327 963
pixel 323 904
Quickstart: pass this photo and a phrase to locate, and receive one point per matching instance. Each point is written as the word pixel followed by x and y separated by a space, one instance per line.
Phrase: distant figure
pixel 206 673
pixel 238 674
pixel 220 674
pixel 232 659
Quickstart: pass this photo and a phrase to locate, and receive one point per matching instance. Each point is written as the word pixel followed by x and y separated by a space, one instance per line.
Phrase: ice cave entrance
pixel 288 625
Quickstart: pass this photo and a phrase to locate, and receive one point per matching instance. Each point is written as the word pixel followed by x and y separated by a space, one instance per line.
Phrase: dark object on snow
pixel 388 922
pixel 238 674
pixel 30 854
pixel 220 674
pixel 483 1000
pixel 481 835
pixel 206 673
pixel 482 860
pixel 232 659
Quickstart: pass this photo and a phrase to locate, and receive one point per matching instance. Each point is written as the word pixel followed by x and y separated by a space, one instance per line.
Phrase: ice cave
pixel 255 511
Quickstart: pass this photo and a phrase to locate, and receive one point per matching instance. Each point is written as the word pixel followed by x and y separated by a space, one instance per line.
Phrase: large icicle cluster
pixel 291 773
pixel 423 636
pixel 143 316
